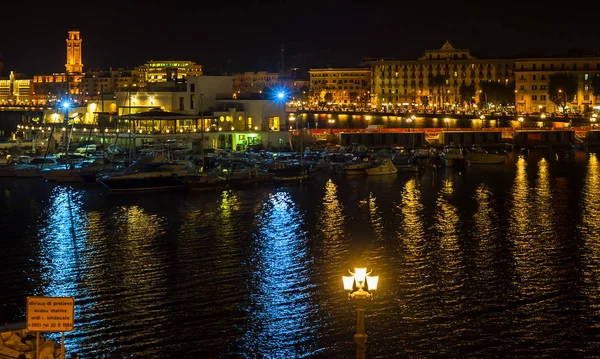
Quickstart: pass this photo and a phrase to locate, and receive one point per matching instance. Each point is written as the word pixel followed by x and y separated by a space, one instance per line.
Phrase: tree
pixel 497 93
pixel 437 81
pixel 353 96
pixel 562 88
pixel 328 97
pixel 467 93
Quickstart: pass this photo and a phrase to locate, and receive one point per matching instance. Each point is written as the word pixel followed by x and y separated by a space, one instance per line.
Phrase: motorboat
pixel 478 155
pixel 151 176
pixel 357 166
pixel 384 166
pixel 249 176
pixel 35 166
pixel 453 156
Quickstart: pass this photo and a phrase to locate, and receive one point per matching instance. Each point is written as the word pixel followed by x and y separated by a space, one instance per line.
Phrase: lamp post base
pixel 360 340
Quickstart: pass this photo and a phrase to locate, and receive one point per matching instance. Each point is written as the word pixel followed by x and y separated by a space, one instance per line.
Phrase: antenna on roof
pixel 282 51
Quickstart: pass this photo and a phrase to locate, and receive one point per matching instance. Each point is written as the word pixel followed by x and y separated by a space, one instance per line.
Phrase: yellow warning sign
pixel 50 314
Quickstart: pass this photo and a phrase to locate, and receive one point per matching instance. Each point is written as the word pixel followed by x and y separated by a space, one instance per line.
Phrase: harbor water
pixel 492 261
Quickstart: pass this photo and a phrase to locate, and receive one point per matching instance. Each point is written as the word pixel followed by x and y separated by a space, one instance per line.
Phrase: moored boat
pixel 385 166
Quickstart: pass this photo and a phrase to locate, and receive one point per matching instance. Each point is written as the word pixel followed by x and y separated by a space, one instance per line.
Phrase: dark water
pixel 493 262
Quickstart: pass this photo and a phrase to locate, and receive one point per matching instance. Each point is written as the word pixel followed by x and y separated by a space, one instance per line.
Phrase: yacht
pixel 152 176
pixel 382 167
pixel 478 155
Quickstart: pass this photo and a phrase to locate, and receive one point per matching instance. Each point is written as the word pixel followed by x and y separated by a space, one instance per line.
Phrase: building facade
pixel 166 71
pixel 532 83
pixel 16 90
pixel 406 83
pixel 340 85
pixel 94 83
pixel 254 82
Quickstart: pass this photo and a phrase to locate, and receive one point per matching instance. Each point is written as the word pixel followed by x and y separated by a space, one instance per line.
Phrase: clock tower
pixel 74 64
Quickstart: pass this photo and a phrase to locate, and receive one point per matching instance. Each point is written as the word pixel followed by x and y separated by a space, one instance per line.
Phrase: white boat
pixel 453 156
pixel 408 168
pixel 35 166
pixel 383 167
pixel 478 155
pixel 357 166
pixel 152 176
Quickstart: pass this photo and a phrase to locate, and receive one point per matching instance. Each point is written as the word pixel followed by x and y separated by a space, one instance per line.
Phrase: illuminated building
pixel 95 82
pixel 406 82
pixel 255 82
pixel 166 71
pixel 15 90
pixel 532 80
pixel 340 85
pixel 74 66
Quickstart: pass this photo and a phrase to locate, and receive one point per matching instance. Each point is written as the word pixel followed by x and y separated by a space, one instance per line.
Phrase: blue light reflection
pixel 281 302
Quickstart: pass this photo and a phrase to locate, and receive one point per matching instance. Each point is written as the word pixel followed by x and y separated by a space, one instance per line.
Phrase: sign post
pixel 50 314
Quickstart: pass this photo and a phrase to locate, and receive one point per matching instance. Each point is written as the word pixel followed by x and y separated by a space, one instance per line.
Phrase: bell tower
pixel 74 64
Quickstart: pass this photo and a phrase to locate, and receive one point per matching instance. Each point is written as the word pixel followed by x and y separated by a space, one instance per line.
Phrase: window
pixel 533 77
pixel 586 77
pixel 534 87
pixel 192 88
pixel 522 87
pixel 542 87
pixel 192 100
pixel 533 97
pixel 181 103
pixel 586 97
pixel 543 97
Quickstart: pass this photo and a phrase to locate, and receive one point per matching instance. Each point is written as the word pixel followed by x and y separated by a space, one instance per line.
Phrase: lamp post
pixel 357 290
pixel 66 105
pixel 482 117
pixel 521 119
pixel 447 120
pixel 293 119
pixel 331 121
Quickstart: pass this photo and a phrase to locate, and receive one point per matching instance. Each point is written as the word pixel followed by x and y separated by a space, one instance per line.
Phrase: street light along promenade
pixel 360 291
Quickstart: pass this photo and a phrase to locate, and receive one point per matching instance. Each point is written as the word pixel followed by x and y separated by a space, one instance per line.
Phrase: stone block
pixel 47 350
pixel 9 352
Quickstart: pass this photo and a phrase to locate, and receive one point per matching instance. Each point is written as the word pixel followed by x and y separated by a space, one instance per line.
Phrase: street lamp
pixel 482 117
pixel 293 119
pixel 355 285
pixel 521 119
pixel 331 121
pixel 410 120
pixel 447 120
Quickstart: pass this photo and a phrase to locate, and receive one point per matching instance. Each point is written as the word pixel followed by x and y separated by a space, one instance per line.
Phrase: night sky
pixel 230 37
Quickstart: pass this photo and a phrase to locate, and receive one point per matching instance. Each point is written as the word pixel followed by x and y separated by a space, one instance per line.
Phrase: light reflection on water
pixel 496 262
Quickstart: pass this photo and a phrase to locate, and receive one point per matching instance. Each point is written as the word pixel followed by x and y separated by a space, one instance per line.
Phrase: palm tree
pixel 437 81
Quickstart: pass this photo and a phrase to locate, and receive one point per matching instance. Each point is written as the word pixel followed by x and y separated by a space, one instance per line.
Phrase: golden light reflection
pixel 412 231
pixel 331 226
pixel 447 226
pixel 590 230
pixel 376 217
pixel 519 222
pixel 332 217
pixel 485 231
